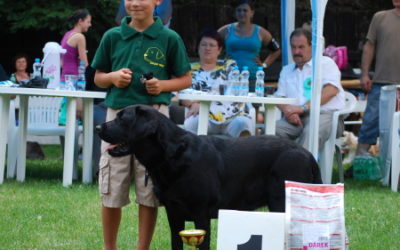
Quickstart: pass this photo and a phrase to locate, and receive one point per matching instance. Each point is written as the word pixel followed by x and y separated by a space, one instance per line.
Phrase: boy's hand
pixel 154 86
pixel 122 78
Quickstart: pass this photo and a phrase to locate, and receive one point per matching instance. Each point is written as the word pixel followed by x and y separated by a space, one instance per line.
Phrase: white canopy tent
pixel 288 15
pixel 287 25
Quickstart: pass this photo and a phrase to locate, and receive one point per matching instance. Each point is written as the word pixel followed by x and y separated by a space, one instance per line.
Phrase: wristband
pixel 264 65
pixel 305 108
pixel 273 45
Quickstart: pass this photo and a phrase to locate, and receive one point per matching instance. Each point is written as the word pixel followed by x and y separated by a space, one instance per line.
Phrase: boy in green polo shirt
pixel 140 45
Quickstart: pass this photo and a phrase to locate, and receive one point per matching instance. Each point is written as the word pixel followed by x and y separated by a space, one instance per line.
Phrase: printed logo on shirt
pixel 155 56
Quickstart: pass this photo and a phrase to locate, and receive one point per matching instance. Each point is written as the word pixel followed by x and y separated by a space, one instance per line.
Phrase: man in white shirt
pixel 295 82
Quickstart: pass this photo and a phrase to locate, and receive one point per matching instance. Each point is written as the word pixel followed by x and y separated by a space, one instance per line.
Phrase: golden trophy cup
pixel 192 237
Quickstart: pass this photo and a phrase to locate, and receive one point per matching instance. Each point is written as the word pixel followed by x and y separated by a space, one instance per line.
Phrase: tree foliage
pixel 17 15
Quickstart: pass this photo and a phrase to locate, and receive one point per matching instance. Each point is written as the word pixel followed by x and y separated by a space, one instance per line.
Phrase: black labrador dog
pixel 195 176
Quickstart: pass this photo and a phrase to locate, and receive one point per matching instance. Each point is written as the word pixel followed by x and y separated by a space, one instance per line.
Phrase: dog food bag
pixel 315 216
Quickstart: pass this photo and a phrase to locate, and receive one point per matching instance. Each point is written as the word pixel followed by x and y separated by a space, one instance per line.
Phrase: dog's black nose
pixel 98 128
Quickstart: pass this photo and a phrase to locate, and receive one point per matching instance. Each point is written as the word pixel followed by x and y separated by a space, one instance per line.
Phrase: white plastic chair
pixel 43 115
pixel 395 151
pixel 332 145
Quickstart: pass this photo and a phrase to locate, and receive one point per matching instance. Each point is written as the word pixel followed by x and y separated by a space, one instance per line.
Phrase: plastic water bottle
pixel 244 81
pixel 81 84
pixel 62 85
pixel 37 66
pixel 234 83
pixel 13 79
pixel 260 82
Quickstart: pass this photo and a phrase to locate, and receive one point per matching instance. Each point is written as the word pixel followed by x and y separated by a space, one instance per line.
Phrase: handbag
pixel 37 82
pixel 338 54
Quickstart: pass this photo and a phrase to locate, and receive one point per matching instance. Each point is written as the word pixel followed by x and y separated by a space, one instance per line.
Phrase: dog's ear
pixel 151 122
pixel 145 122
pixel 176 149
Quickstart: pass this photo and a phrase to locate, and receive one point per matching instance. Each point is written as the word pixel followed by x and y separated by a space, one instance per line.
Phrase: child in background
pixel 140 45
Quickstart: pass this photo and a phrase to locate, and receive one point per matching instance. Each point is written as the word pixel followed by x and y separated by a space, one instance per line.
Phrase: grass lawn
pixel 41 214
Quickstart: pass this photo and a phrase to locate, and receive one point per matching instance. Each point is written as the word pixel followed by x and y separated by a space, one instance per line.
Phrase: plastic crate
pixel 366 168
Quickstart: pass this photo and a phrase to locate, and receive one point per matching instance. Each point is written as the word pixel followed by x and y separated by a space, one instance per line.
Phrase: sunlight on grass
pixel 41 214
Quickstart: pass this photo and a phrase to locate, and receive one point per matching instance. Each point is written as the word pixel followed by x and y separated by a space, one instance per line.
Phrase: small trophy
pixel 193 237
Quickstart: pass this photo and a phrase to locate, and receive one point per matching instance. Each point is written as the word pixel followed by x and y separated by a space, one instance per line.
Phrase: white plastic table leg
pixel 12 142
pixel 22 131
pixel 69 142
pixel 87 140
pixel 203 117
pixel 4 109
pixel 269 119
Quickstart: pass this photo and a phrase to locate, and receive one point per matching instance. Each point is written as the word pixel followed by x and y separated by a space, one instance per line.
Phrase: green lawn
pixel 41 214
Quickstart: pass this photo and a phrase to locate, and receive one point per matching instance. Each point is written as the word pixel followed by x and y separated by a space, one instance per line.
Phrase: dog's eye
pixel 124 118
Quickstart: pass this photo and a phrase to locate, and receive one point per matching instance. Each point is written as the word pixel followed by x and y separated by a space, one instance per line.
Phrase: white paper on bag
pixel 315 216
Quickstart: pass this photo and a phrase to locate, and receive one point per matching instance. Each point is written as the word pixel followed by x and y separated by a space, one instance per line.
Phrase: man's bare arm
pixel 328 92
pixel 366 61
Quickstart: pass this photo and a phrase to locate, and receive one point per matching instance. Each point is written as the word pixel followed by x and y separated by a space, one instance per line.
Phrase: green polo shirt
pixel 157 49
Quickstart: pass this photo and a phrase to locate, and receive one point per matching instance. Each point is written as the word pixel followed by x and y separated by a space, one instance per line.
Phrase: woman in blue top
pixel 243 40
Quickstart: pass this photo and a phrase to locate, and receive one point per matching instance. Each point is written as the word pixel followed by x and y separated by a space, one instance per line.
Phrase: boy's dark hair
pixel 301 31
pixel 251 3
pixel 78 14
pixel 19 56
pixel 211 33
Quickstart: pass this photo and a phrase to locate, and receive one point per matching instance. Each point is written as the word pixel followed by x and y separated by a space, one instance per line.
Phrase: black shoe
pixel 349 173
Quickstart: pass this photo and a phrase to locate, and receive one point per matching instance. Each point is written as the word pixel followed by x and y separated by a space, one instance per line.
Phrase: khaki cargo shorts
pixel 117 173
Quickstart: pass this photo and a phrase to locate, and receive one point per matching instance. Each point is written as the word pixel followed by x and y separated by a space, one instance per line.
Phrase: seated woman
pixel 228 118
pixel 21 64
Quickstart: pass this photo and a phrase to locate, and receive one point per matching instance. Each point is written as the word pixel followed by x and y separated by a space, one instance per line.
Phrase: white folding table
pixel 206 99
pixel 24 93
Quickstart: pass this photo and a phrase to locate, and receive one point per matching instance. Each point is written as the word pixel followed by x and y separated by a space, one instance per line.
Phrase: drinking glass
pixel 70 82
pixel 205 89
pixel 269 90
pixel 222 88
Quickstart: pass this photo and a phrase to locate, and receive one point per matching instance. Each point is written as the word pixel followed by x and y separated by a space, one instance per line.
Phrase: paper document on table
pixel 315 216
